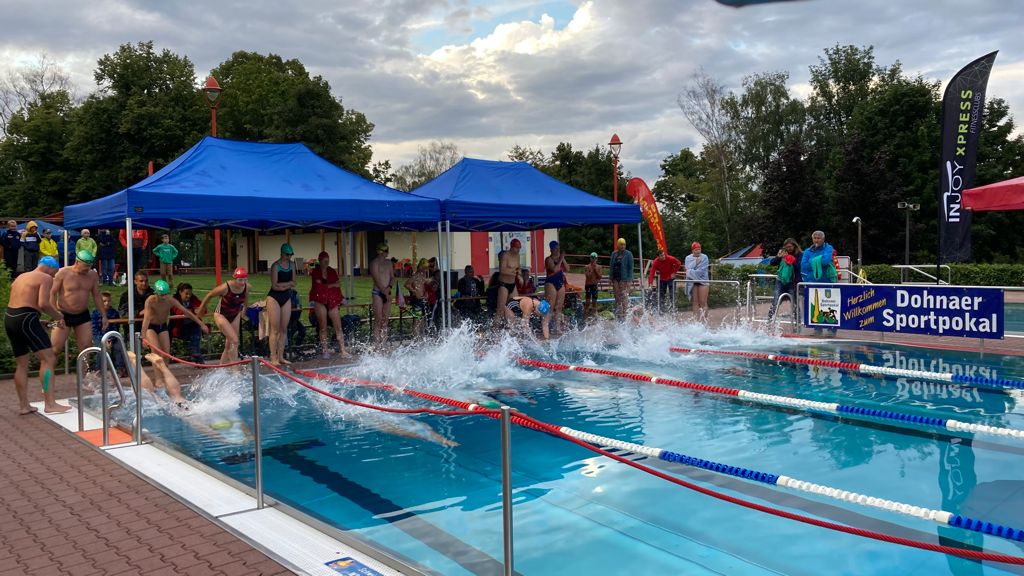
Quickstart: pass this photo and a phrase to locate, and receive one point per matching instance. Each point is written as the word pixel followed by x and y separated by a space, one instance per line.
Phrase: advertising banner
pixel 962 106
pixel 934 310
pixel 638 189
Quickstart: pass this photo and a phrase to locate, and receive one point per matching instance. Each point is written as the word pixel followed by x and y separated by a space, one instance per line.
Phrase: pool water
pixel 1013 317
pixel 428 488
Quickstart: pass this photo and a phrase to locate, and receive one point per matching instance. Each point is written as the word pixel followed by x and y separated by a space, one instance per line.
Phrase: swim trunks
pixel 158 328
pixel 383 295
pixel 72 319
pixel 513 307
pixel 24 331
pixel 417 307
pixel 591 290
pixel 511 286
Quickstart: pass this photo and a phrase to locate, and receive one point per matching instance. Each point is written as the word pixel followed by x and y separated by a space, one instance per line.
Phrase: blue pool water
pixel 1013 315
pixel 401 482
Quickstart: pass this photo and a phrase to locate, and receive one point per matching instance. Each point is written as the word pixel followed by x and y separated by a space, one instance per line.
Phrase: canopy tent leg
pixel 216 255
pixel 351 261
pixel 448 273
pixel 130 281
pixel 440 251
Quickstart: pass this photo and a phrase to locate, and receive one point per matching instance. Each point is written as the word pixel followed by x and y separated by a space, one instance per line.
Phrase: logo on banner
pixel 826 307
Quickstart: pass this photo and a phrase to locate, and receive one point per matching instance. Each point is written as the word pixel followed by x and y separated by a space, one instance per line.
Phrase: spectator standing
pixel 86 242
pixel 593 274
pixel 817 263
pixel 664 267
pixel 48 246
pixel 140 240
pixel 30 239
pixel 698 280
pixel 11 242
pixel 105 252
pixel 788 276
pixel 620 271
pixel 165 253
pixel 325 295
pixel 139 293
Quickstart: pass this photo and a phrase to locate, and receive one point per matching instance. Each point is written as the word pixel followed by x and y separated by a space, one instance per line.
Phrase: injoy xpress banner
pixel 934 310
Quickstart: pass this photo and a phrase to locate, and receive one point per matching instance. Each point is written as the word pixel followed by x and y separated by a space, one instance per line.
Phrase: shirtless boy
pixel 157 330
pixel 72 287
pixel 30 295
pixel 508 271
pixel 382 272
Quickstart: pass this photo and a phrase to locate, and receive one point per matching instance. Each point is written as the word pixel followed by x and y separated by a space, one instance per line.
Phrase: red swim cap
pixel 515 243
pixel 323 255
pixel 240 273
pixel 695 246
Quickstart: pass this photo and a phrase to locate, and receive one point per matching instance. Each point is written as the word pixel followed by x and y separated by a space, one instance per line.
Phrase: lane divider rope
pixel 869 369
pixel 167 355
pixel 593 442
pixel 788 401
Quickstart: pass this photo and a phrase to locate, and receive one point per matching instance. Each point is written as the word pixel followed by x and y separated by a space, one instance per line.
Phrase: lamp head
pixel 615 145
pixel 856 220
pixel 212 90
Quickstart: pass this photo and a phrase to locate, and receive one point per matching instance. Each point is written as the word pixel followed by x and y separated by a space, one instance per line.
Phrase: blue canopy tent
pixel 485 195
pixel 256 186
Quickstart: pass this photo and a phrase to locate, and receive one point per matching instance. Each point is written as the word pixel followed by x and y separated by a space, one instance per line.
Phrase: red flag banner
pixel 638 189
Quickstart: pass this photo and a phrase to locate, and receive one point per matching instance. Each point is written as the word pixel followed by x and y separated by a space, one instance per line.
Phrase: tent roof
pixel 260 186
pixel 1005 195
pixel 502 196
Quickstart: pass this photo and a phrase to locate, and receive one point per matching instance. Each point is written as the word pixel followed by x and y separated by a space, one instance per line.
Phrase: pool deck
pixel 69 508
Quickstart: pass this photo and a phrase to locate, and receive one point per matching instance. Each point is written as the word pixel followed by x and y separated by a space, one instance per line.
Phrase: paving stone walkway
pixel 65 508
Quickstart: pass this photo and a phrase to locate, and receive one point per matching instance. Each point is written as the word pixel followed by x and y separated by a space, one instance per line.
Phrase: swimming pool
pixel 400 481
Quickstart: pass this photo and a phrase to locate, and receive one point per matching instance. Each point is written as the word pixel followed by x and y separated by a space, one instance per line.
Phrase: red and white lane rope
pixel 593 442
pixel 979 381
pixel 802 404
pixel 157 350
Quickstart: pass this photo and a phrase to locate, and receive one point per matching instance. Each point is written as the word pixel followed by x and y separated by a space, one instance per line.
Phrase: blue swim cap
pixel 49 261
pixel 543 307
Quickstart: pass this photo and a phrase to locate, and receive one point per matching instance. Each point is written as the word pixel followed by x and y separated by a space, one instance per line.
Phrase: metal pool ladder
pixel 107 363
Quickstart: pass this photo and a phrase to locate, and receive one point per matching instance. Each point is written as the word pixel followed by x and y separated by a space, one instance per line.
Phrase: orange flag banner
pixel 638 189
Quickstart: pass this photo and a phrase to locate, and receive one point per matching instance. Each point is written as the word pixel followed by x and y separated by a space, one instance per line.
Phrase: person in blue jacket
pixel 816 265
pixel 106 251
pixel 620 272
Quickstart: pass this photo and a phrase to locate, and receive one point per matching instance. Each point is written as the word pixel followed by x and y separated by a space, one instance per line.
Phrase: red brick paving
pixel 65 508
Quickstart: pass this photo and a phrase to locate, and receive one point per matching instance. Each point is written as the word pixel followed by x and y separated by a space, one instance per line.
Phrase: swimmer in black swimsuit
pixel 279 303
pixel 155 315
pixel 382 272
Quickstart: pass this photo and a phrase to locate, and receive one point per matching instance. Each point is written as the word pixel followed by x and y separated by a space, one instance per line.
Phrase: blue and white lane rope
pixel 789 401
pixel 978 381
pixel 938 516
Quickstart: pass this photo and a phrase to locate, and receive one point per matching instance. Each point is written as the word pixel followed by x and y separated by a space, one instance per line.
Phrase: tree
pixel 431 160
pixel 147 108
pixel 765 119
pixel 269 99
pixel 1000 157
pixel 39 179
pixel 27 85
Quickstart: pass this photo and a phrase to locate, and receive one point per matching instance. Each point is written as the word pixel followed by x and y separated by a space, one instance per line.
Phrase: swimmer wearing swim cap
pixel 29 298
pixel 156 329
pixel 74 286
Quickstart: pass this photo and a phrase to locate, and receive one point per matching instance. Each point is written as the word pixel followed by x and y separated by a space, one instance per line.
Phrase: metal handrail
pixel 918 268
pixel 105 362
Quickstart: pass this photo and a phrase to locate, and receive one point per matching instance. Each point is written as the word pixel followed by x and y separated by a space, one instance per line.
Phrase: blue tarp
pixel 504 196
pixel 230 184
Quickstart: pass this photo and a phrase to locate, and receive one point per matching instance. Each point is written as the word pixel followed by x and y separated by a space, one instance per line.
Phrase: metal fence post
pixel 506 485
pixel 138 386
pixel 258 452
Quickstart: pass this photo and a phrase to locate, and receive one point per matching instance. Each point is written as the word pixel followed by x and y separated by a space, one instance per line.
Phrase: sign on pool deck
pixel 351 567
pixel 933 310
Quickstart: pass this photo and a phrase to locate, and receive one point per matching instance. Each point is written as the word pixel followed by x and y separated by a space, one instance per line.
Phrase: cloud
pixel 533 72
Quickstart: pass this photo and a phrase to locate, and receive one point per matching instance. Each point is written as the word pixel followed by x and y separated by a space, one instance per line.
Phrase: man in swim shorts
pixel 72 287
pixel 593 274
pixel 383 273
pixel 508 272
pixel 30 295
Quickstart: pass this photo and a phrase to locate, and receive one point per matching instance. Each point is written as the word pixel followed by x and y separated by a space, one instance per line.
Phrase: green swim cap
pixel 161 288
pixel 286 248
pixel 85 256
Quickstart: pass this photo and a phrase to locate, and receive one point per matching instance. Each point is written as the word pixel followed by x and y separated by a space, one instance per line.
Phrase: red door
pixel 479 250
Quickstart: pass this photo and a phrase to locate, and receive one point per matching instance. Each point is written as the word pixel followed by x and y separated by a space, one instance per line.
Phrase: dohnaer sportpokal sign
pixel 934 310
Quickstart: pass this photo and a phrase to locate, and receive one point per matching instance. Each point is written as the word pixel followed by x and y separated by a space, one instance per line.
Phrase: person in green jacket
pixel 166 253
pixel 86 242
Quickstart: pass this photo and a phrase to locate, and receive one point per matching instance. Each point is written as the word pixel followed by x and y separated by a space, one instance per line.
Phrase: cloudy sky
pixel 490 74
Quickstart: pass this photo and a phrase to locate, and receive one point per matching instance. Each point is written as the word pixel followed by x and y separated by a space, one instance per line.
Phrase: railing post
pixel 104 407
pixel 138 387
pixel 506 485
pixel 258 452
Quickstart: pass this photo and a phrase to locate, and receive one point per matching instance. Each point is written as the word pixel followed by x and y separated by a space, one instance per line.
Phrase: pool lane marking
pixel 596 441
pixel 977 381
pixel 788 401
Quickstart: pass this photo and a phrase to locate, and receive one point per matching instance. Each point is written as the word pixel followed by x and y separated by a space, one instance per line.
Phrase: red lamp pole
pixel 213 90
pixel 616 146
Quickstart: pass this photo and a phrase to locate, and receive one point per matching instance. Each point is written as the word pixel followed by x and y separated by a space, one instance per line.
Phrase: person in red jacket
pixel 665 267
pixel 140 239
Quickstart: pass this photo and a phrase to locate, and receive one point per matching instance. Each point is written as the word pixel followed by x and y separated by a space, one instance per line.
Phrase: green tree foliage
pixel 147 109
pixel 269 99
pixel 431 160
pixel 1000 157
pixel 38 177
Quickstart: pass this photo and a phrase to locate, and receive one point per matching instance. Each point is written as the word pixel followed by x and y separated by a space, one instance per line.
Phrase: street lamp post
pixel 213 91
pixel 860 261
pixel 908 207
pixel 615 145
